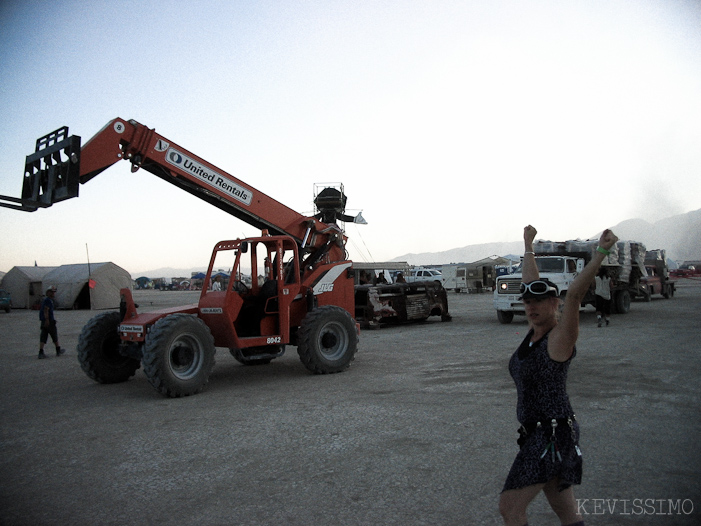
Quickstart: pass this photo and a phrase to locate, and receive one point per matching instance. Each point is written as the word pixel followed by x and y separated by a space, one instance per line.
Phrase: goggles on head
pixel 537 287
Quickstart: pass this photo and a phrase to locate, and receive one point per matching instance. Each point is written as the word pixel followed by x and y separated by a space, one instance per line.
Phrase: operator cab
pixel 274 271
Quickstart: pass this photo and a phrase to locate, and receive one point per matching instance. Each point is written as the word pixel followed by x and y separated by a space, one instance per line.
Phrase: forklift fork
pixel 51 173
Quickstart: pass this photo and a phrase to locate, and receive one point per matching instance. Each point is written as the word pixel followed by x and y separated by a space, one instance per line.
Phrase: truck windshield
pixel 550 264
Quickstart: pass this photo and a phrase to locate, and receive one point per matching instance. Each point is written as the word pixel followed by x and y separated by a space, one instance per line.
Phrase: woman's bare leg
pixel 513 504
pixel 562 502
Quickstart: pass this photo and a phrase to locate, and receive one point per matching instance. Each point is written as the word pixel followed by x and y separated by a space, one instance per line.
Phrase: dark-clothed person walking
pixel 48 323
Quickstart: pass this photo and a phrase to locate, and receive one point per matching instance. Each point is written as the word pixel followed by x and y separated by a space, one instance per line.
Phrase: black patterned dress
pixel 547 451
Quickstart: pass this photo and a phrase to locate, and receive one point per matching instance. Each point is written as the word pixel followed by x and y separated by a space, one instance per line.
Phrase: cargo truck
pixel 560 262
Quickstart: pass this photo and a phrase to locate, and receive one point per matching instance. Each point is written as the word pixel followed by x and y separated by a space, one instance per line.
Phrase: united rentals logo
pixel 131 328
pixel 209 176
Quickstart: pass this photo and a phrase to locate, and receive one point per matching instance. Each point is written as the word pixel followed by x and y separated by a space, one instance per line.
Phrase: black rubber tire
pixel 327 340
pixel 179 355
pixel 622 302
pixel 98 351
pixel 505 316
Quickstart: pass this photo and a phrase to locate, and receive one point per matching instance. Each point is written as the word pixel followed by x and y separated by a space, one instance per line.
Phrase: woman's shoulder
pixel 544 346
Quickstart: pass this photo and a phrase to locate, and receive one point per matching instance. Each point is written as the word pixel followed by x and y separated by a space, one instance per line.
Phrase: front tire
pixel 505 316
pixel 98 351
pixel 179 355
pixel 327 340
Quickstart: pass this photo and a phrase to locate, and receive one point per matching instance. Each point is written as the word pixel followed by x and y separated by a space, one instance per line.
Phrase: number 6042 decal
pixel 274 339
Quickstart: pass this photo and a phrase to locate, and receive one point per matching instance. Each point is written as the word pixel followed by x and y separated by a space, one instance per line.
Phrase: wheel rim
pixel 333 341
pixel 185 357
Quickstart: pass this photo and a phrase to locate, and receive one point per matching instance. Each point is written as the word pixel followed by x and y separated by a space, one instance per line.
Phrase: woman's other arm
pixel 564 336
pixel 529 269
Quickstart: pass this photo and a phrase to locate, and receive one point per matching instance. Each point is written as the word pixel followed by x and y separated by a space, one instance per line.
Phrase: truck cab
pixel 561 270
pixel 657 280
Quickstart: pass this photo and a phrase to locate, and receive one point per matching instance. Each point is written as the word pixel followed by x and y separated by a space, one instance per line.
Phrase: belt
pixel 529 427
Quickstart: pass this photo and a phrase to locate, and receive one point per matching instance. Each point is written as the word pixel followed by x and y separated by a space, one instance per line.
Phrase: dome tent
pixel 82 286
pixel 26 285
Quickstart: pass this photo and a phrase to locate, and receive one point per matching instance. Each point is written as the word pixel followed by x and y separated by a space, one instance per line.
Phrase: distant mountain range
pixel 169 272
pixel 679 235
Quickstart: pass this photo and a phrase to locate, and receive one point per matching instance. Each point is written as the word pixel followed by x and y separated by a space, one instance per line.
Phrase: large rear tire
pixel 327 340
pixel 98 351
pixel 622 301
pixel 179 355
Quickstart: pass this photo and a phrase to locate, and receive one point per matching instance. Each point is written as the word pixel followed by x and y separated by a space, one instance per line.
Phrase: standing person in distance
pixel 48 323
pixel 549 459
pixel 602 291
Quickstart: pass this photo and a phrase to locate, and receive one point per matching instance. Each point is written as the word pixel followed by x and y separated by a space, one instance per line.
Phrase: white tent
pixel 79 287
pixel 83 286
pixel 26 285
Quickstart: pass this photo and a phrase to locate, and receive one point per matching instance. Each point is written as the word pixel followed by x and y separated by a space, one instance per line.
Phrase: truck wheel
pixel 668 293
pixel 98 351
pixel 505 316
pixel 622 302
pixel 179 355
pixel 327 340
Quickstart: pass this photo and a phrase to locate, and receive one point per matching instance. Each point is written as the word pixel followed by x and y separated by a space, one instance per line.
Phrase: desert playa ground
pixel 421 430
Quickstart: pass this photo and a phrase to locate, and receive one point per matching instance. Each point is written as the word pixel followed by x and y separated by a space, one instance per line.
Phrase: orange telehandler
pixel 306 298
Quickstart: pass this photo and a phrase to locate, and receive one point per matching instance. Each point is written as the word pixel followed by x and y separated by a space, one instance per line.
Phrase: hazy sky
pixel 449 123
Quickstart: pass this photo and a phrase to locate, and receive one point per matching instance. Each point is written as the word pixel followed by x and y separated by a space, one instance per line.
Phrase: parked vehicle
pixel 379 299
pixel 454 277
pixel 306 298
pixel 424 274
pixel 400 303
pixel 560 262
pixel 657 280
pixel 5 300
